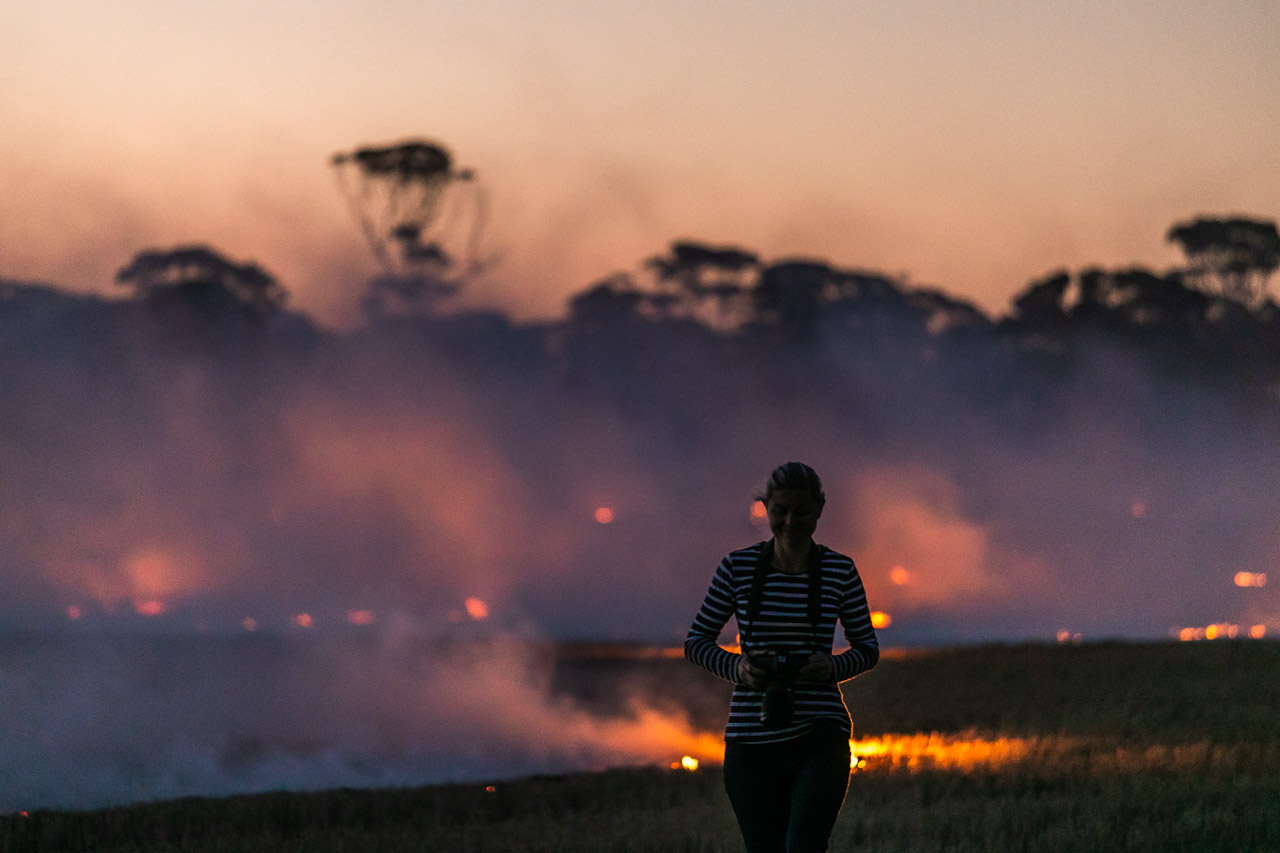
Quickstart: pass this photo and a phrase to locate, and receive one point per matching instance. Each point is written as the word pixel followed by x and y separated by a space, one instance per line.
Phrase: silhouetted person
pixel 786 762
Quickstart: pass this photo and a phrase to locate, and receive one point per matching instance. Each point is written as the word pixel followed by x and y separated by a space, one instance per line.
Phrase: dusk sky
pixel 973 146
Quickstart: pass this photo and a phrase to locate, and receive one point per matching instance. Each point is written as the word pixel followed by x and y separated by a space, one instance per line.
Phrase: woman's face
pixel 793 515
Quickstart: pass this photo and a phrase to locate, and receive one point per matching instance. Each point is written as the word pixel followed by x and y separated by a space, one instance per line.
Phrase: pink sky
pixel 972 146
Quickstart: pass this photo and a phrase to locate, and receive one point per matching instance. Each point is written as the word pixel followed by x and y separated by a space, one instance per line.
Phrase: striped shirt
pixel 783 625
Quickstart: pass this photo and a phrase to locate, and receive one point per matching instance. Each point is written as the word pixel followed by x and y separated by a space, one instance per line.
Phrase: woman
pixel 786 759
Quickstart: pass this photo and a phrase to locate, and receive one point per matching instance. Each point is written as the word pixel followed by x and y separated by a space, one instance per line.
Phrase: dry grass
pixel 1159 747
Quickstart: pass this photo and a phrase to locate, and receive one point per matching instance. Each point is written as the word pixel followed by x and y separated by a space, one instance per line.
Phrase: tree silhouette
pixel 699 268
pixel 1043 304
pixel 715 276
pixel 790 296
pixel 203 276
pixel 405 295
pixel 606 304
pixel 1233 256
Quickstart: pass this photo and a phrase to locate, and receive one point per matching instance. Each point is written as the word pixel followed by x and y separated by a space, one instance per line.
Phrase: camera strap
pixel 755 599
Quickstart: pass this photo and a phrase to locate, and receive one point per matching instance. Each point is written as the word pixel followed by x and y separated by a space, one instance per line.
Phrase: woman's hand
pixel 749 674
pixel 819 668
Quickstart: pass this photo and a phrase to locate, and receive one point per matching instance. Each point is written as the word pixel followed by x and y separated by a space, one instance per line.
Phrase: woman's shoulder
pixel 749 554
pixel 833 559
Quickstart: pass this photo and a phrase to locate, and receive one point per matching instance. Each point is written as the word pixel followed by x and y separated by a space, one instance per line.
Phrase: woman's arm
pixel 702 646
pixel 855 618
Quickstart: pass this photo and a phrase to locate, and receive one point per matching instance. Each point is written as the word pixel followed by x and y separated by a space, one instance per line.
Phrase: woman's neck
pixel 792 559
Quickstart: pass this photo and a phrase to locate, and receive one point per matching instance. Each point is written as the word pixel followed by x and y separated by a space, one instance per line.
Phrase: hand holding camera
pixel 750 674
pixel 817 668
pixel 776 674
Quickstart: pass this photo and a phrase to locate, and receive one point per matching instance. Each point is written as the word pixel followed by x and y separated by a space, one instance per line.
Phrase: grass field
pixel 1107 747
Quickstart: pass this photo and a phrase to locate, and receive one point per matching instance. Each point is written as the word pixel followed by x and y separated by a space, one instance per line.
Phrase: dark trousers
pixel 787 795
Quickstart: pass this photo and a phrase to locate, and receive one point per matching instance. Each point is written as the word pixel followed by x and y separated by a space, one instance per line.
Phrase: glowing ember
pixel 879 619
pixel 360 617
pixel 900 576
pixel 476 609
pixel 490 788
pixel 1251 578
pixel 73 613
pixel 303 620
pixel 759 515
pixel 1216 631
pixel 1139 509
pixel 689 763
pixel 1257 632
pixel 604 515
pixel 249 623
pixel 149 608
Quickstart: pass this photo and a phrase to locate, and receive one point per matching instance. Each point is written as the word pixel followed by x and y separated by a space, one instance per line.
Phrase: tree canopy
pixel 199 273
pixel 1233 256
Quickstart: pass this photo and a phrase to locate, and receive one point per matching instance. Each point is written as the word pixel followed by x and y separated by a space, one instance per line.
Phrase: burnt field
pixel 1117 747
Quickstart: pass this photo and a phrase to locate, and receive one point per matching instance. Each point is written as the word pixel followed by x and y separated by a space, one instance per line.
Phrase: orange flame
pixel 759 514
pixel 476 609
pixel 880 619
pixel 303 620
pixel 1257 632
pixel 360 617
pixel 921 750
pixel 900 576
pixel 654 733
pixel 1251 578
pixel 604 515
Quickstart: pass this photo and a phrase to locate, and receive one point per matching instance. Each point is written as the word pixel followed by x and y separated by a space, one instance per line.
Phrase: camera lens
pixel 777 705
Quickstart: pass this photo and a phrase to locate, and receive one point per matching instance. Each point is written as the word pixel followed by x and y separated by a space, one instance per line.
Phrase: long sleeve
pixel 855 618
pixel 702 646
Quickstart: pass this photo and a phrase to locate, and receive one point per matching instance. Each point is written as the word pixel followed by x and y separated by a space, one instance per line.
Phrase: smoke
pixel 226 536
pixel 113 721
pixel 167 467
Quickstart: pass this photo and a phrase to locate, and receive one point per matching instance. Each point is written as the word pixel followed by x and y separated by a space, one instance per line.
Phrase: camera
pixel 779 694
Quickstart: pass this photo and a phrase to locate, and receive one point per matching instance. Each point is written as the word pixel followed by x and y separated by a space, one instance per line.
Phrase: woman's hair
pixel 794 475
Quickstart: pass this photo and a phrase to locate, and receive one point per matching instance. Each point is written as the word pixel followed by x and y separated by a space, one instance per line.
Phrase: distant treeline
pixel 1212 319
